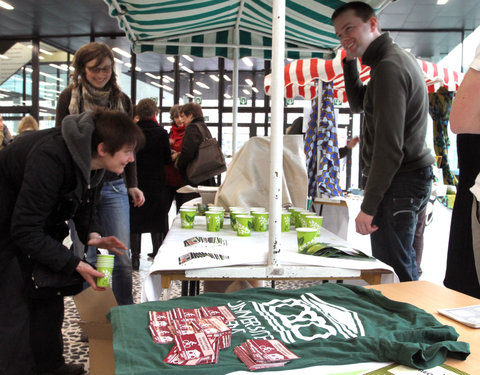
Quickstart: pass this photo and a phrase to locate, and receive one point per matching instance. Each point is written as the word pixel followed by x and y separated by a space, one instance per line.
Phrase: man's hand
pixel 137 196
pixel 89 274
pixel 111 243
pixel 363 223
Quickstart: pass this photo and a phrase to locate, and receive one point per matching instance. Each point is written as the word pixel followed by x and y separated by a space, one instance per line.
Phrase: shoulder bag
pixel 209 161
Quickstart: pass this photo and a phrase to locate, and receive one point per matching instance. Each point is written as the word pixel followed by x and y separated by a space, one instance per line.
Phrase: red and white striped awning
pixel 301 77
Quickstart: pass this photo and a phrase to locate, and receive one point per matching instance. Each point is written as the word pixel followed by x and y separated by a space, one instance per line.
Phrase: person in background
pixel 463 259
pixel 151 217
pixel 94 85
pixel 397 163
pixel 46 178
pixel 27 125
pixel 5 137
pixel 192 117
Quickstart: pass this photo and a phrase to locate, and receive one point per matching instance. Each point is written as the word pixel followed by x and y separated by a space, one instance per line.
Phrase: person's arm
pixel 37 203
pixel 192 139
pixel 465 113
pixel 390 91
pixel 62 106
pixel 354 87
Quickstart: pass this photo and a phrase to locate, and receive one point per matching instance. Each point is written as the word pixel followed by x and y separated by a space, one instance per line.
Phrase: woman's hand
pixel 111 243
pixel 89 274
pixel 137 196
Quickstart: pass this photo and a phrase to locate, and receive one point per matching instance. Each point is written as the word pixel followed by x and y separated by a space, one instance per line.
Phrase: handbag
pixel 209 160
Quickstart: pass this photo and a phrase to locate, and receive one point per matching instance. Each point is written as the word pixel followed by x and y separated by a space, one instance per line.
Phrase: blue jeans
pixel 396 219
pixel 114 212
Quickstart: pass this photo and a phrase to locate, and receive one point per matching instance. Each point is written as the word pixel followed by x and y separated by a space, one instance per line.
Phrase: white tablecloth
pixel 238 251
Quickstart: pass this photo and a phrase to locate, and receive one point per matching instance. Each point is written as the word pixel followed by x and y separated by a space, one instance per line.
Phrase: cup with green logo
pixel 260 221
pixel 286 217
pixel 305 237
pixel 244 225
pixel 315 222
pixel 187 217
pixel 302 218
pixel 233 216
pixel 213 219
pixel 218 209
pixel 105 266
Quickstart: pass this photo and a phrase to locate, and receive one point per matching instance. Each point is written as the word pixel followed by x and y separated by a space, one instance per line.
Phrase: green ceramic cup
pixel 315 222
pixel 260 221
pixel 187 218
pixel 213 219
pixel 305 237
pixel 244 225
pixel 286 217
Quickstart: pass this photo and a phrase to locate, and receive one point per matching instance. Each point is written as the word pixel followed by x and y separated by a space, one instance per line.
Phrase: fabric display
pixel 327 324
pixel 321 147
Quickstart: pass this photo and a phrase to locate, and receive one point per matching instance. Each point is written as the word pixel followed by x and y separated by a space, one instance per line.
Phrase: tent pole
pixel 276 137
pixel 235 100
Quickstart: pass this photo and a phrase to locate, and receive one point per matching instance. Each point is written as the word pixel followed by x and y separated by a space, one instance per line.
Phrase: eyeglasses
pixel 106 69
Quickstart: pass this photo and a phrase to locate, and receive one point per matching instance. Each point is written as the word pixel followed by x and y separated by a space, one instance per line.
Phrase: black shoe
pixel 135 264
pixel 67 369
pixel 152 255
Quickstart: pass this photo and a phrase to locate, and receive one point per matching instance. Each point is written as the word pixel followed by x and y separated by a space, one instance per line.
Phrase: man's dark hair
pixel 146 109
pixel 192 109
pixel 361 9
pixel 115 129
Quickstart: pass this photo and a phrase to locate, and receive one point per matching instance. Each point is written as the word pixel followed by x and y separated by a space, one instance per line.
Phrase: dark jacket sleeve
pixel 167 151
pixel 62 106
pixel 343 151
pixel 87 219
pixel 192 139
pixel 131 168
pixel 38 203
pixel 353 86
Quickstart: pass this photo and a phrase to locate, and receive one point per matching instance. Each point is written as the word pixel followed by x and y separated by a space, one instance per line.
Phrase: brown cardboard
pixel 93 307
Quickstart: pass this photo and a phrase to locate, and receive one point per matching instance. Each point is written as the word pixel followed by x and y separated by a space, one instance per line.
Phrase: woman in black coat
pixel 46 178
pixel 193 118
pixel 152 217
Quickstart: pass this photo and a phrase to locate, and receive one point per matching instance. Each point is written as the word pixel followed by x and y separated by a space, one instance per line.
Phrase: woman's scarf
pixel 176 134
pixel 85 97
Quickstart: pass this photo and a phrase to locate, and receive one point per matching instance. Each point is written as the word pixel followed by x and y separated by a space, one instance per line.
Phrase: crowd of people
pixel 111 172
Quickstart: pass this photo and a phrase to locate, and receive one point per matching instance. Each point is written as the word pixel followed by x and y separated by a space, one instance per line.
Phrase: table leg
pixel 372 278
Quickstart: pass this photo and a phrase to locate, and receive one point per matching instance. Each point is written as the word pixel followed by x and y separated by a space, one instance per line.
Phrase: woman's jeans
pixel 114 211
pixel 396 218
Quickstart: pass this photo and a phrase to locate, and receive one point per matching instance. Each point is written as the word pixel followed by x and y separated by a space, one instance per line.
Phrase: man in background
pixel 397 163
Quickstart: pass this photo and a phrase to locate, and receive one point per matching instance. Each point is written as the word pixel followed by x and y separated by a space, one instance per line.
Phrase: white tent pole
pixel 276 137
pixel 235 100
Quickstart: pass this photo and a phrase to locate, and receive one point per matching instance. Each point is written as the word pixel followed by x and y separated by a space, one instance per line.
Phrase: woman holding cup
pixel 45 179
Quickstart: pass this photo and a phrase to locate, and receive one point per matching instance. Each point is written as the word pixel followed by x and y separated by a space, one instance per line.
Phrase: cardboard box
pixel 93 307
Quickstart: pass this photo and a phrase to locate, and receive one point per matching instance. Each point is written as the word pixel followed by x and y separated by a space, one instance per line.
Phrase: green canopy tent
pixel 268 29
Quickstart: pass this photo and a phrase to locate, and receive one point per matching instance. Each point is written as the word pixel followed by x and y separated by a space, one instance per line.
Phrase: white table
pixel 246 257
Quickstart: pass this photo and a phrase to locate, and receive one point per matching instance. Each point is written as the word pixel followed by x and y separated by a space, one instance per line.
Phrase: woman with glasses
pixel 94 85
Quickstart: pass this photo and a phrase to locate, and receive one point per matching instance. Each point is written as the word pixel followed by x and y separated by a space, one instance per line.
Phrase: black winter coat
pixel 151 160
pixel 40 188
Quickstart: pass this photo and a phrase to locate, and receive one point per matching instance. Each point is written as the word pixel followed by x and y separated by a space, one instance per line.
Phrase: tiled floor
pixel 433 265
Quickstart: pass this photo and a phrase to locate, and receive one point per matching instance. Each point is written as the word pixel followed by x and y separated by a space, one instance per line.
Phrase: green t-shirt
pixel 329 324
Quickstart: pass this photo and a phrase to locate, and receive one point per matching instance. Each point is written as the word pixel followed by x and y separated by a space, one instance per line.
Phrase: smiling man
pixel 397 163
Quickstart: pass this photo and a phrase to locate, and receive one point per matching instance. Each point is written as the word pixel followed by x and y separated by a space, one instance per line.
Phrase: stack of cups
pixel 187 217
pixel 213 219
pixel 105 266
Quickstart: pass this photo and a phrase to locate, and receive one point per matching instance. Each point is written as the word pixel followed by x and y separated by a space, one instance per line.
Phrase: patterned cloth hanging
pixel 321 145
pixel 328 177
pixel 440 104
pixel 311 149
